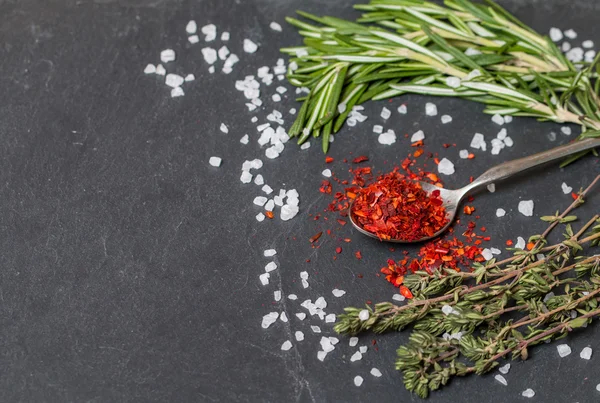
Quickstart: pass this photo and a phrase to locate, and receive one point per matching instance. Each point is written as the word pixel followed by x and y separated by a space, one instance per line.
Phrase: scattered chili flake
pixel 418 153
pixel 509 242
pixel 395 207
pixel 530 245
pixel 405 292
pixel 574 195
pixel 328 160
pixel 469 210
pixel 341 222
pixel 347 240
pixel 315 237
pixel 269 214
pixel 325 187
pixel 358 254
pixel 338 250
pixel 360 159
pixel 471 156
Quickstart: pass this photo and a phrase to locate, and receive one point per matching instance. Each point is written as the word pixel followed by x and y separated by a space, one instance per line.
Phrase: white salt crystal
pixel 491 188
pixel 224 128
pixel 446 119
pixel 160 70
pixel 283 317
pixel 321 303
pixel 551 136
pixel 362 349
pixel 269 319
pixel 417 136
pixel 430 109
pixel 495 251
pixel 402 109
pixel 193 39
pixel 264 278
pixel 215 161
pixel 575 55
pixel 363 315
pixel 267 189
pixel 211 69
pixel 225 36
pixel 555 34
pixel 330 318
pixel 260 200
pixel 326 173
pixel 276 97
pixel 526 207
pixel 150 69
pixel 447 309
pixel 353 341
pixel 398 297
pixel 174 80
pixel 341 108
pixel 351 122
pixel 501 134
pixel 281 90
pixel 260 217
pixel 321 355
pixel 177 92
pixel 271 153
pixel 563 350
pixel 478 142
pixel 249 46
pixel 586 353
pixel 286 345
pixel 565 47
pixel 299 335
pixel 446 167
pixel 498 119
pixel 569 33
pixel 246 177
pixel 566 130
pixel 500 212
pixel 191 27
pixel 487 254
pixel 210 55
pixel 520 243
pixel 270 206
pixel 358 380
pixel 304 275
pixel 275 26
pixel 588 44
pixel 315 329
pixel 288 212
pixel 270 267
pixel 386 113
pixel 189 77
pixel 223 52
pixel 387 138
pixel 356 356
pixel 501 379
pixel 305 146
pixel 566 189
pixel 529 393
pixel 375 372
pixel 378 129
pixel 598 387
pixel 338 293
pixel 259 180
pixel 464 154
pixel 301 315
pixel 167 55
pixel 504 369
pixel 589 56
pixel 508 119
pixel 277 295
pixel 292 297
pixel 453 82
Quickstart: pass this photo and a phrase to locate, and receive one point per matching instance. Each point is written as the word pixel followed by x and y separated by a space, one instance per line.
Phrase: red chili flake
pixel 347 240
pixel 358 254
pixel 471 156
pixel 418 153
pixel 530 245
pixel 360 159
pixel 325 187
pixel 341 222
pixel 269 214
pixel 483 229
pixel 509 242
pixel 315 237
pixel 395 207
pixel 405 292
pixel 328 160
pixel 469 210
pixel 359 275
pixel 574 195
pixel 447 145
pixel 338 250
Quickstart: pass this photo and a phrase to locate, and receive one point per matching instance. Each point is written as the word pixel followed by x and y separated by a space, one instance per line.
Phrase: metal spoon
pixel 452 198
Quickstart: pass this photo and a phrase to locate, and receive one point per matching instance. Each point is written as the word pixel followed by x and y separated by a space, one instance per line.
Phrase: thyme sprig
pixel 465 322
pixel 472 51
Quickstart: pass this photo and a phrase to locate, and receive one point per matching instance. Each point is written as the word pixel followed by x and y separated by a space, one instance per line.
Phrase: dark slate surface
pixel 129 267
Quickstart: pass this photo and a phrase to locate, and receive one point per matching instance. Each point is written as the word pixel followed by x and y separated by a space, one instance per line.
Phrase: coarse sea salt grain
pixel 464 154
pixel 417 136
pixel 504 369
pixel 167 55
pixel 358 380
pixel 174 80
pixel 210 55
pixel 500 212
pixel 402 109
pixel 563 350
pixel 529 393
pixel 363 349
pixel 260 217
pixel 501 379
pixel 386 113
pixel 520 243
pixel 363 315
pixel 387 138
pixel 446 119
pixel 264 278
pixel 277 295
pixel 526 207
pixel 575 55
pixel 338 293
pixel 587 44
pixel 301 315
pixel 586 353
pixel 177 92
pixel 191 27
pixel 353 341
pixel 269 319
pixel 269 252
pixel 495 251
pixel 571 34
pixel 275 26
pixel 326 173
pixel 487 254
pixel 491 188
pixel 269 267
pixel 292 297
pixel 224 128
pixel 225 36
pixel 566 188
pixel 378 129
pixel 478 142
pixel 555 34
pixel 267 189
pixel 375 372
pixel 315 329
pixel 566 130
pixel 286 345
pixel 498 119
pixel 446 167
pixel 259 180
pixel 249 46
pixel 215 161
pixel 246 177
pixel 193 39
pixel 160 70
pixel 356 357
pixel 430 109
pixel 150 69
pixel 398 297
pixel 565 47
pixel 223 52
pixel 189 77
pixel 330 318
pixel 551 136
pixel 305 146
pixel 299 335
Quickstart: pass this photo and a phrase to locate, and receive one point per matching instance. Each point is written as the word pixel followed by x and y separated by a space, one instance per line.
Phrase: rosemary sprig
pixel 461 328
pixel 472 51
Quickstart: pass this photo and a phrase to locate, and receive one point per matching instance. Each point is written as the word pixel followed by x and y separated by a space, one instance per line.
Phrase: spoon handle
pixel 510 168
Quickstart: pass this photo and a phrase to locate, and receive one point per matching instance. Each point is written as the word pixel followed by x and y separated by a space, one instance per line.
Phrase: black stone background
pixel 129 267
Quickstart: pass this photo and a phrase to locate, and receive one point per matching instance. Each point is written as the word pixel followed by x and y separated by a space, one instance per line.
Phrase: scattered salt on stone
pixel 189 77
pixel 160 70
pixel 563 350
pixel 575 55
pixel 288 212
pixel 495 251
pixel 566 189
pixel 598 387
pixel 508 141
pixel 464 154
pixel 277 295
pixel 526 207
pixel 498 119
pixel 276 97
pixel 446 119
pixel 478 142
pixel 301 315
pixel 177 92
pixel 375 372
pixel 223 52
pixel 363 315
pixel 358 380
pixel 321 303
pixel 446 167
pixel 508 119
pixel 565 47
pixel 556 34
pixel 529 393
pixel 167 55
pixel 305 146
pixel 215 161
pixel 191 27
pixel 417 136
pixel 586 353
pixel 267 189
pixel 315 329
pixel 249 46
pixel 356 356
pixel 321 355
pixel 150 69
pixel 246 177
pixel 269 319
pixel 286 345
pixel 270 267
pixel 588 44
pixel 193 39
pixel 453 82
pixel 292 297
pixel 264 278
pixel 210 55
pixel 259 180
pixel 275 26
pixel 260 217
pixel 283 317
pixel 386 113
pixel 353 341
pixel 520 243
pixel 299 335
pixel 589 56
pixel 500 212
pixel 487 254
pixel 491 188
pixel 398 297
pixel 362 349
pixel 501 379
pixel 504 369
pixel 326 173
pixel 378 129
pixel 569 33
pixel 330 318
pixel 174 80
pixel 260 200
pixel 225 36
pixel 269 252
pixel 211 69
pixel 402 109
pixel 387 138
pixel 224 128
pixel 338 293
pixel 566 130
pixel 430 109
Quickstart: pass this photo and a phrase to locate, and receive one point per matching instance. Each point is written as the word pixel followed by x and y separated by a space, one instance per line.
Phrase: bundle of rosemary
pixel 465 322
pixel 472 51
